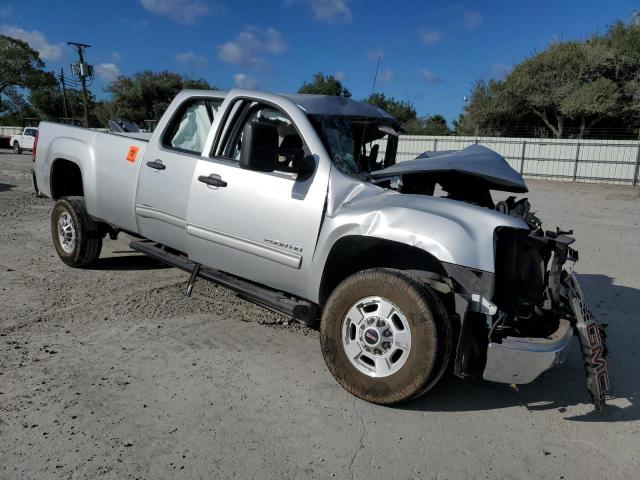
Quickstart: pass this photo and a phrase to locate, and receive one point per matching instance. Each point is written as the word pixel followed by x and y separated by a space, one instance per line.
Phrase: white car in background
pixel 24 140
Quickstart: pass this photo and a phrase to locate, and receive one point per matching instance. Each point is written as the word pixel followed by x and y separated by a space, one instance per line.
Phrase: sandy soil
pixel 113 373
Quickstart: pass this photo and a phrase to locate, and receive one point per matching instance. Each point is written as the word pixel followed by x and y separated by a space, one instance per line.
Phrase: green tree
pixel 103 111
pixel 14 107
pixel 624 41
pixel 401 110
pixel 48 103
pixel 492 110
pixel 429 125
pixel 567 89
pixel 146 95
pixel 21 66
pixel 568 81
pixel 325 85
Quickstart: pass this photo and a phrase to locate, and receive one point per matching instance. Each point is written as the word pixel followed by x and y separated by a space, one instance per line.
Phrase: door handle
pixel 156 165
pixel 214 180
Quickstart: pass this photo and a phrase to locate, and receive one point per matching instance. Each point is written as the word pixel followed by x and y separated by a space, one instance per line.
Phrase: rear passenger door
pixel 167 171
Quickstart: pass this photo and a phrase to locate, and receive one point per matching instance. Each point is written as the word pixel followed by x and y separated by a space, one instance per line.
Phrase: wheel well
pixel 355 253
pixel 66 179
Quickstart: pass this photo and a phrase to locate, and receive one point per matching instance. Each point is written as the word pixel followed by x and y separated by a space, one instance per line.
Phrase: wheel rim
pixel 66 232
pixel 376 337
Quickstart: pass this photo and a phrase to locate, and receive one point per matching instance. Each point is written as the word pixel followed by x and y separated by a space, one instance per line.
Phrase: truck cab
pixel 24 140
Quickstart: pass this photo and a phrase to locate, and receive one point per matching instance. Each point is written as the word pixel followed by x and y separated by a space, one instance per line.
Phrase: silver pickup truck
pixel 296 202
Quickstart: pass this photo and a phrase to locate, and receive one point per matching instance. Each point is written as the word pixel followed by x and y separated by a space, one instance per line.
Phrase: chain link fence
pixel 597 161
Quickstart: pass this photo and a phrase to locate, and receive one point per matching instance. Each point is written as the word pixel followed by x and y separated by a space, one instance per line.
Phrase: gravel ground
pixel 113 373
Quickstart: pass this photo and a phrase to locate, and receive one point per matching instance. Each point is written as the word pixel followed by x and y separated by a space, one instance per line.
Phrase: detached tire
pixel 385 337
pixel 75 235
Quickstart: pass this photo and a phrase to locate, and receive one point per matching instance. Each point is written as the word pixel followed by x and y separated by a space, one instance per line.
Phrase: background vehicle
pixel 297 203
pixel 24 140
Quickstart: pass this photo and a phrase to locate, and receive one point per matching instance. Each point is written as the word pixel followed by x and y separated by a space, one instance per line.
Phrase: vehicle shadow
pixel 127 262
pixel 5 187
pixel 565 385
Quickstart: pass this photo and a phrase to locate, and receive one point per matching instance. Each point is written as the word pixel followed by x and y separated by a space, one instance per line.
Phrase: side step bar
pixel 302 310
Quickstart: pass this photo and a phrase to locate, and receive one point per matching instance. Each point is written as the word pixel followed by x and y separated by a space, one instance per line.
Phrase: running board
pixel 302 310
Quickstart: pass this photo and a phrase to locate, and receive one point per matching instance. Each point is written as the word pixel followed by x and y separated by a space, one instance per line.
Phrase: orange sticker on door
pixel 132 153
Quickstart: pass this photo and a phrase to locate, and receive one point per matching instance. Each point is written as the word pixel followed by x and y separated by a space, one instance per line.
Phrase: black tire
pixel 16 148
pixel 431 336
pixel 88 238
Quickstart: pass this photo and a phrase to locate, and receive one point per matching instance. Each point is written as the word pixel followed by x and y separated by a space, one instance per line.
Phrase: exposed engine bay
pixel 518 320
pixel 534 288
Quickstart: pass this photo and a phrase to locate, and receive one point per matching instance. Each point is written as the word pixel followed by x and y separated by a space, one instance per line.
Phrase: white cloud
pixel 36 40
pixel 331 11
pixel 430 37
pixel 429 76
pixel 385 76
pixel 472 20
pixel 375 53
pixel 191 59
pixel 182 11
pixel 274 41
pixel 250 47
pixel 340 76
pixel 107 71
pixel 244 81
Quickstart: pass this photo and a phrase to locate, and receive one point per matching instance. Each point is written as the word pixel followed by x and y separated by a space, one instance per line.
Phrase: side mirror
pixel 259 147
pixel 305 167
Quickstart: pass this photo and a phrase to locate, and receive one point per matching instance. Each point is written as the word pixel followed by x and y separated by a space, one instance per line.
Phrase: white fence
pixel 598 161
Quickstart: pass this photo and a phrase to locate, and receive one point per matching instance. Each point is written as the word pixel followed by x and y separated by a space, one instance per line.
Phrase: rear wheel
pixel 76 236
pixel 385 337
pixel 16 148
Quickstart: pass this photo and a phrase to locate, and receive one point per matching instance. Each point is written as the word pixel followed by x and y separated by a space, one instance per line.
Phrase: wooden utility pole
pixel 64 93
pixel 83 71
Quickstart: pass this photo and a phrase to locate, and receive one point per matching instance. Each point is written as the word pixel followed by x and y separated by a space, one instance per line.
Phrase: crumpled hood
pixel 452 231
pixel 474 160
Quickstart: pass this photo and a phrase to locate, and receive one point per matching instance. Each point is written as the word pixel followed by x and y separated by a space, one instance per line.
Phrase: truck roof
pixel 331 105
pixel 317 104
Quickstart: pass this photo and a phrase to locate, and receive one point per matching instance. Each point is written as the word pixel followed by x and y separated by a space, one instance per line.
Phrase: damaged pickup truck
pixel 296 202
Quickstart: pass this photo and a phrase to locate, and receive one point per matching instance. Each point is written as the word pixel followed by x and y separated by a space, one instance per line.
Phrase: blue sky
pixel 432 51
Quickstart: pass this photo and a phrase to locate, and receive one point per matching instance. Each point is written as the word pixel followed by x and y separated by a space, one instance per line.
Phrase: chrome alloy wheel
pixel 376 337
pixel 66 232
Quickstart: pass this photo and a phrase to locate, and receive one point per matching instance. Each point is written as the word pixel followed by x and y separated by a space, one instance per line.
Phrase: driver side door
pixel 261 226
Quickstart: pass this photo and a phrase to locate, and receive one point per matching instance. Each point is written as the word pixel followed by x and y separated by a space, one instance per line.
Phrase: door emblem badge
pixel 280 243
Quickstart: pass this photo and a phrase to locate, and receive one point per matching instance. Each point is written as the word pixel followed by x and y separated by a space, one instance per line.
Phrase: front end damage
pixel 518 306
pixel 519 322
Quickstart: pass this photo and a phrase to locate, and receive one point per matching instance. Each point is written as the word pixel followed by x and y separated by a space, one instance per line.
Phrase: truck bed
pixel 109 162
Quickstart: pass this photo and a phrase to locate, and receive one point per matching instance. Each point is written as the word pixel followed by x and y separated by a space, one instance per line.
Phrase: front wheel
pixel 75 235
pixel 385 337
pixel 16 148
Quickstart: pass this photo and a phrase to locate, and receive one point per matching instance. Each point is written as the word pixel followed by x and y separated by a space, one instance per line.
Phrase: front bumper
pixel 521 360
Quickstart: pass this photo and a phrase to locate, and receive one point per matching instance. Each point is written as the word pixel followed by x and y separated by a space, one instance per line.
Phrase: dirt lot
pixel 113 373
